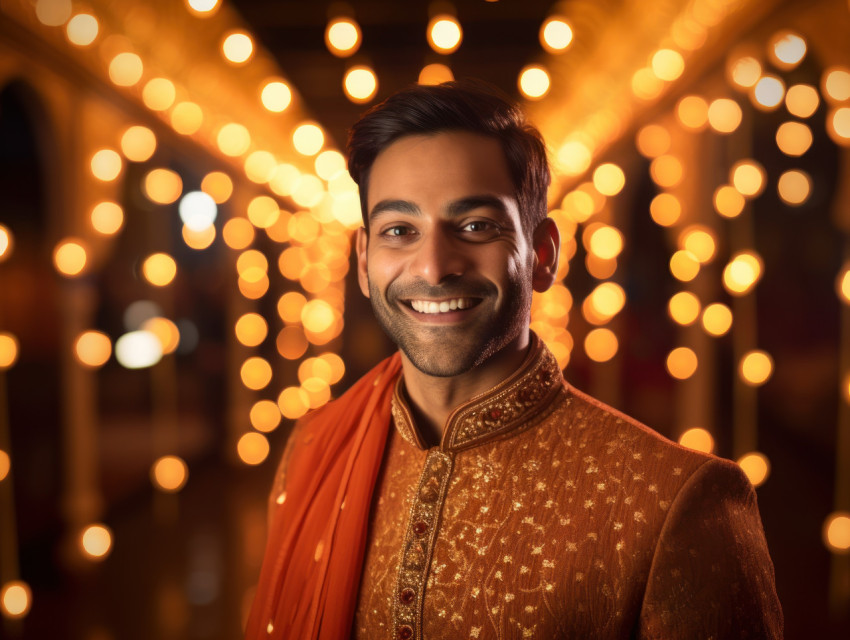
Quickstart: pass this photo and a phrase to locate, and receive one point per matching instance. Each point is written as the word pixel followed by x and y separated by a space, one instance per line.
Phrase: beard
pixel 450 350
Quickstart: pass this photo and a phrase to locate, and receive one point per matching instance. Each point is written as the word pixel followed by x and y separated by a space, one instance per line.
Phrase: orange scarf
pixel 310 576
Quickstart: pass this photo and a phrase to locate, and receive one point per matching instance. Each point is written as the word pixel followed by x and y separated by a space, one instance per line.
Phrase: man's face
pixel 447 264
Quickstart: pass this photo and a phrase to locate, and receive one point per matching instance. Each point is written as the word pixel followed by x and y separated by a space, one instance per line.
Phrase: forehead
pixel 442 166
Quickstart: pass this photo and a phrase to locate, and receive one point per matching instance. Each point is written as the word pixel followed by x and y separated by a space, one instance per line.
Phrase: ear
pixel 547 245
pixel 362 244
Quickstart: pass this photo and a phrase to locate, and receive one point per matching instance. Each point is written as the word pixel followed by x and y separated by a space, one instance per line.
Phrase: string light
pixel 159 94
pixel 96 541
pixel 768 93
pixel 251 329
pixel 742 272
pixel 755 368
pixel 745 71
pixel 106 165
pixel 756 466
pixel 198 240
pixel 8 350
pixel 237 47
pixel 53 13
pixel 682 363
pixel 692 112
pixel 724 115
pixel 665 209
pixel 233 139
pixel 555 34
pixel 253 448
pixel 435 73
pixel 93 348
pixel 82 29
pixel 728 201
pixel 218 185
pixel 7 243
pixel 836 84
pixel 260 166
pixel 138 350
pixel 802 100
pixel 444 34
pixel 186 118
pixel 159 269
pixel 653 140
pixel 838 126
pixel 697 439
pixel 342 37
pixel 601 344
pixel 169 473
pixel 836 532
pixel 70 257
pixel 794 187
pixel 265 416
pixel 787 49
pixel 793 138
pixel 276 96
pixel 748 177
pixel 238 233
pixel 5 465
pixel 360 84
pixel 15 599
pixel 534 82
pixel 717 319
pixel 162 186
pixel 609 179
pixel 138 143
pixel 684 308
pixel 126 69
pixel 667 64
pixel 308 139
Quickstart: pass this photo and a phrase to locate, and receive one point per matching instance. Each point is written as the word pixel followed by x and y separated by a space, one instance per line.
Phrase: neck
pixel 433 399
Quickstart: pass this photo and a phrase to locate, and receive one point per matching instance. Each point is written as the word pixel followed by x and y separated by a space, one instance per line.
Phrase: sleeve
pixel 711 575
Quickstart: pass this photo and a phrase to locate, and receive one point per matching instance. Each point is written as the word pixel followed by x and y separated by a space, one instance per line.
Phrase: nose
pixel 438 256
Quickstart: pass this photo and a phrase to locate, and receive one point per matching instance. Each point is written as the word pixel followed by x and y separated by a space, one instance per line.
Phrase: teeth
pixel 430 306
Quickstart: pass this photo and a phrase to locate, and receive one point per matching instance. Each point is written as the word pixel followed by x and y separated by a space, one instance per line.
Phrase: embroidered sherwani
pixel 544 514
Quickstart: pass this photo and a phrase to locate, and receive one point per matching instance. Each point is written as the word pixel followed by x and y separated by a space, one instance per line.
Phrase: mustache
pixel 456 288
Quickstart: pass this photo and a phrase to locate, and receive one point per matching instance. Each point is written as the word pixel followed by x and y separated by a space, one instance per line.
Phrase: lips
pixel 442 306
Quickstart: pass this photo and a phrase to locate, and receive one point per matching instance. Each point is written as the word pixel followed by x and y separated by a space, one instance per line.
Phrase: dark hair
pixel 467 105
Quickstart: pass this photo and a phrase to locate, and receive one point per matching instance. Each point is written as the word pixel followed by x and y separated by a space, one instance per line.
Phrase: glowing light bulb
pixel 684 308
pixel 93 348
pixel 138 350
pixel 162 186
pixel 435 73
pixel 8 350
pixel 748 177
pixel 534 82
pixel 70 257
pixel 186 118
pixel 555 34
pixel 106 165
pixel 233 139
pixel 794 187
pixel 601 344
pixel 609 179
pixel 276 96
pixel 360 84
pixel 787 49
pixel 756 368
pixel 96 541
pixel 159 269
pixel 238 47
pixel 742 272
pixel 444 34
pixel 756 466
pixel 836 84
pixel 724 115
pixel 159 94
pixel 769 92
pixel 802 100
pixel 667 64
pixel 218 185
pixel 15 598
pixel 126 69
pixel 745 71
pixel 265 416
pixel 82 29
pixel 682 363
pixel 253 448
pixel 717 319
pixel 697 439
pixel 138 144
pixel 665 209
pixel 169 474
pixel 653 140
pixel 308 139
pixel 836 532
pixel 343 37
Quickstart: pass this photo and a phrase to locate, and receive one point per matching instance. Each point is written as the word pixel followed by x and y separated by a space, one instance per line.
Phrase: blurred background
pixel 175 257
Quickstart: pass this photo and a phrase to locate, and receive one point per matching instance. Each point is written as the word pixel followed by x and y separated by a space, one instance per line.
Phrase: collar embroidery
pixel 518 402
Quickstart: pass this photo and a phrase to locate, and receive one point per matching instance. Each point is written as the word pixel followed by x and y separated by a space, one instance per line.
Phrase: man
pixel 462 489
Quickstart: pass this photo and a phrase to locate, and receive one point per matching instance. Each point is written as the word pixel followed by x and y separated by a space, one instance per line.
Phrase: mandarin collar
pixel 518 402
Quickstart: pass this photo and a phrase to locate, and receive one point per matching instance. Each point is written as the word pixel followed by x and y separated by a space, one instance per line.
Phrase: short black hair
pixel 468 105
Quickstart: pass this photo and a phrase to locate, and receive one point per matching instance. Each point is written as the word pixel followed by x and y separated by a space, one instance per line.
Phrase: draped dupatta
pixel 314 555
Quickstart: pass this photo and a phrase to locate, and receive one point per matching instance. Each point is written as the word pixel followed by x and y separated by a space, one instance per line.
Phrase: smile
pixel 443 306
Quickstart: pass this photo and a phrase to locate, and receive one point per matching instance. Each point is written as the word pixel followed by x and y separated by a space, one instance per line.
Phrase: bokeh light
pixel 728 201
pixel 138 350
pixel 667 64
pixel 343 37
pixel 724 115
pixel 836 532
pixel 755 368
pixel 5 465
pixel 238 233
pixel 682 363
pixel 666 171
pixel 70 257
pixel 692 112
pixel 699 241
pixel 93 348
pixel 159 94
pixel 52 13
pixel 838 126
pixel 308 139
pixel 260 166
pixel 786 49
pixel 291 343
pixel 159 269
pixel 836 84
pixel 15 599
pixel 684 265
pixel 237 47
pixel 605 242
pixel 126 69
pixel 665 209
pixel 169 474
pixel 444 34
pixel 742 272
pixel 165 331
pixel 555 34
pixel 233 139
pixel 793 138
pixel 717 319
pixel 697 439
pixel 360 84
pixel 748 177
pixel 534 82
pixel 256 373
pixel 251 329
pixel 653 140
pixel 794 187
pixel 138 143
pixel 601 344
pixel 198 240
pixel 9 350
pixel 163 186
pixel 186 118
pixel 106 218
pixel 802 100
pixel 609 179
pixel 435 73
pixel 82 29
pixel 7 243
pixel 106 165
pixel 276 95
pixel 756 466
pixel 684 308
pixel 265 416
pixel 197 210
pixel 218 185
pixel 769 92
pixel 745 71
pixel 263 211
pixel 253 448
pixel 96 541
pixel 293 402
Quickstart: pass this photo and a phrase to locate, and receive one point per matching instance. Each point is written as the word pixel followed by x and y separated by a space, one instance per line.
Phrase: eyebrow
pixel 455 208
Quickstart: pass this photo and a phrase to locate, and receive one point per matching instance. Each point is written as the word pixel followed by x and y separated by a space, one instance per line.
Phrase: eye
pixel 481 229
pixel 397 231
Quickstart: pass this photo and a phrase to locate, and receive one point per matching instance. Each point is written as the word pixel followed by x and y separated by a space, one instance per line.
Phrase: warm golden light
pixel 263 211
pixel 307 191
pixel 793 138
pixel 692 112
pixel 253 448
pixel 93 348
pixel 159 269
pixel 534 82
pixel 745 72
pixel 291 343
pixel 802 100
pixel 646 85
pixel 5 465
pixel 574 157
pixel 276 96
pixel 70 257
pixel 233 139
pixel 186 118
pixel 697 439
pixel 218 186
pixel 252 265
pixel 609 179
pixel 684 308
pixel 700 241
pixel 238 233
pixel 126 69
pixel 293 402
pixel 555 34
pixel 842 284
pixel 8 350
pixel 755 368
pixel 52 13
pixel 7 243
pixel 794 187
pixel 106 165
pixel 838 126
pixel 444 34
pixel 265 416
pixel 435 73
pixel 684 265
pixel 202 6
pixel 717 319
pixel 667 64
pixel 653 140
pixel 836 84
pixel 317 390
pixel 138 350
pixel 666 171
pixel 329 163
pixel 163 186
pixel 317 316
pixel 748 177
pixel 360 84
pixel 96 541
pixel 742 272
pixel 198 240
pixel 682 363
pixel 836 532
pixel 159 94
pixel 15 599
pixel 665 209
pixel 169 474
pixel 82 29
pixel 600 344
pixel 728 202
pixel 786 49
pixel 107 218
pixel 238 47
pixel 289 307
pixel 769 92
pixel 336 364
pixel 606 300
pixel 756 466
pixel 251 329
pixel 253 289
pixel 724 115
pixel 138 144
pixel 308 139
pixel 342 37
pixel 605 242
pixel 260 166
pixel 256 373
pixel 165 331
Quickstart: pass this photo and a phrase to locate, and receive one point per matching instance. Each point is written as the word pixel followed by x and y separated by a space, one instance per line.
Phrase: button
pixel 403 632
pixel 420 528
pixel 407 596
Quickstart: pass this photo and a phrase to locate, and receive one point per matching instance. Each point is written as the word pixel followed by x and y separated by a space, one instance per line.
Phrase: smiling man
pixel 462 489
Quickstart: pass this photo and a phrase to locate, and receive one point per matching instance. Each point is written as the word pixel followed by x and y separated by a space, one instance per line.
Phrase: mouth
pixel 434 307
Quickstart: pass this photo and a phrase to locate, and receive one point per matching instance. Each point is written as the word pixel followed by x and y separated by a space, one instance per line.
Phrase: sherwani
pixel 546 514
